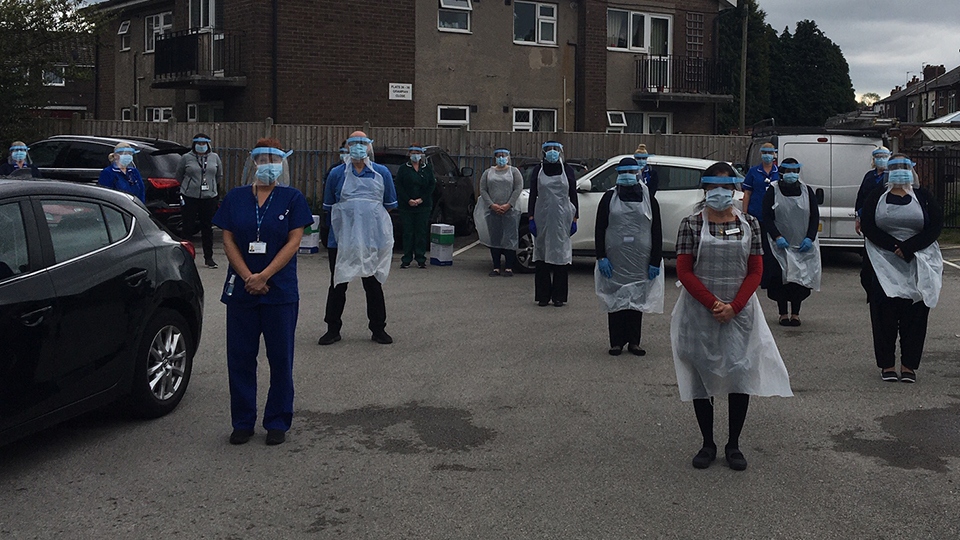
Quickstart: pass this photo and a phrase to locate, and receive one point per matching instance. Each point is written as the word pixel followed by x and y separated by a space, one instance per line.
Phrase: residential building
pixel 922 100
pixel 641 66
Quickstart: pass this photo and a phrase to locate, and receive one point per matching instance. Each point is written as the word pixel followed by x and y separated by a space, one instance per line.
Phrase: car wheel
pixel 467 226
pixel 525 251
pixel 163 365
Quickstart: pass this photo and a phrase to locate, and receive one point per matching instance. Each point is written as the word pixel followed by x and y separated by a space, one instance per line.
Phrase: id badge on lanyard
pixel 258 247
pixel 203 175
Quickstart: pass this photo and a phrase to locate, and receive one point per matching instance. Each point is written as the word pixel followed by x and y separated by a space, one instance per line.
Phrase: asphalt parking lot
pixel 490 417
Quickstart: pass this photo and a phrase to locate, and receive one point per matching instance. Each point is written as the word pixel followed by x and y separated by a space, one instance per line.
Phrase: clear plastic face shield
pixel 360 149
pixel 18 153
pixel 718 191
pixel 201 145
pixel 880 157
pixel 267 165
pixel 552 152
pixel 768 155
pixel 627 175
pixel 790 172
pixel 344 154
pixel 123 156
pixel 416 154
pixel 501 157
pixel 641 158
pixel 900 174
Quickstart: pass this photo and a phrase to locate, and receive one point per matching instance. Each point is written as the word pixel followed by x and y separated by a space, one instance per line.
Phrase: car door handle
pixel 136 279
pixel 35 317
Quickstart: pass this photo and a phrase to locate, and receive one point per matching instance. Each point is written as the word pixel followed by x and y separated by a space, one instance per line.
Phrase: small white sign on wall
pixel 401 91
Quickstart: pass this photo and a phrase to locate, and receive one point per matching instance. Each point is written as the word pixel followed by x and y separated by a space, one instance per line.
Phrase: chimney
pixel 913 81
pixel 931 72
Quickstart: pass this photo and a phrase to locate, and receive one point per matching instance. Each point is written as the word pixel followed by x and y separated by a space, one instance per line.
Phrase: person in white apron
pixel 496 215
pixel 553 211
pixel 629 244
pixel 356 197
pixel 791 219
pixel 904 271
pixel 721 341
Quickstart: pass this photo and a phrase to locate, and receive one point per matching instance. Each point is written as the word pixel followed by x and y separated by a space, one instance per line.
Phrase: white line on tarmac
pixel 461 250
pixel 957 266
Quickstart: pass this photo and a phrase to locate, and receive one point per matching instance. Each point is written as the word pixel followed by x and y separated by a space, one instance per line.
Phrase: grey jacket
pixel 190 171
pixel 500 187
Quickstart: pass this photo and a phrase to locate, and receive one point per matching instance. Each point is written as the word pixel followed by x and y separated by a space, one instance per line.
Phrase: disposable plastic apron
pixel 919 279
pixel 362 228
pixel 496 230
pixel 628 248
pixel 739 356
pixel 554 217
pixel 792 218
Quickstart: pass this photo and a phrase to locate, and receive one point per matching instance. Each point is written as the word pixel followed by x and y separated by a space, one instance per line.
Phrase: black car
pixel 80 158
pixel 97 303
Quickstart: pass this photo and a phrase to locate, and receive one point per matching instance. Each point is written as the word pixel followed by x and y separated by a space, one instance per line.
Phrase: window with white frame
pixel 155 25
pixel 638 32
pixel 453 115
pixel 55 76
pixel 124 33
pixel 125 114
pixel 454 15
pixel 535 23
pixel 616 122
pixel 535 120
pixel 158 114
pixel 658 123
pixel 204 14
pixel 191 112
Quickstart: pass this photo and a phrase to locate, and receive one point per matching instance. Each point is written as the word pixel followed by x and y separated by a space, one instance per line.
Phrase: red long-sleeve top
pixel 698 290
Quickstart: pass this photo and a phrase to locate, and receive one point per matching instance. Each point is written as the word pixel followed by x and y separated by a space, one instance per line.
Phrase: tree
pixel 39 37
pixel 868 99
pixel 759 38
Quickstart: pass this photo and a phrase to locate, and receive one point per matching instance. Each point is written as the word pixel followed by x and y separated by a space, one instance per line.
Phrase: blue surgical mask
pixel 345 157
pixel 900 176
pixel 720 199
pixel 627 179
pixel 642 163
pixel 269 172
pixel 416 157
pixel 358 152
pixel 501 161
pixel 881 162
pixel 202 148
pixel 553 156
pixel 790 177
pixel 19 155
pixel 767 158
pixel 125 159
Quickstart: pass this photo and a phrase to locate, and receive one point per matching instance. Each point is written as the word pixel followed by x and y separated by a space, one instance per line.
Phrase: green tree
pixel 868 99
pixel 760 36
pixel 37 37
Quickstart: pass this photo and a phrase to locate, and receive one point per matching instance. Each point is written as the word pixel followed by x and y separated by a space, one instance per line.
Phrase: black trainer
pixel 543 303
pixel 705 457
pixel 636 350
pixel 558 303
pixel 210 263
pixel 735 458
pixel 421 265
pixel 404 265
pixel 908 376
pixel 275 437
pixel 329 338
pixel 890 376
pixel 240 436
pixel 382 338
pixel 615 351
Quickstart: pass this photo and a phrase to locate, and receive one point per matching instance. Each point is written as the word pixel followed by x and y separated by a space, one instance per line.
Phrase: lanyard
pixel 256 201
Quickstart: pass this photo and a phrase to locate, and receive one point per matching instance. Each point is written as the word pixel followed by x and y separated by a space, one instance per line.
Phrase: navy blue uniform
pixel 131 182
pixel 274 315
pixel 871 181
pixel 757 181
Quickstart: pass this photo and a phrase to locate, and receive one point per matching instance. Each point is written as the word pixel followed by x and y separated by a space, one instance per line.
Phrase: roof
pixel 948 79
pixel 28 186
pixel 119 5
pixel 138 142
pixel 944 134
pixel 952 118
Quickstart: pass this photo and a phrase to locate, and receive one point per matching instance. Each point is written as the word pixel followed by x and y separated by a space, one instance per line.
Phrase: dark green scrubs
pixel 415 220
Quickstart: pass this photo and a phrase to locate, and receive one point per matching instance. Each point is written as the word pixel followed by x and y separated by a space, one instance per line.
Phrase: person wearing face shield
pixel 791 220
pixel 875 177
pixel 496 214
pixel 122 173
pixel 262 224
pixel 648 175
pixel 199 172
pixel 758 179
pixel 721 341
pixel 415 183
pixel 356 197
pixel 19 159
pixel 903 270
pixel 629 244
pixel 553 211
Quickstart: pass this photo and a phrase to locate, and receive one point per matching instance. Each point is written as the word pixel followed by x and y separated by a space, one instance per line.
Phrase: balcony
pixel 199 58
pixel 681 78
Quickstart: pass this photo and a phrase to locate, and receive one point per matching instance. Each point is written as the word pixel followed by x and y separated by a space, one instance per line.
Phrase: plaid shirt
pixel 688 237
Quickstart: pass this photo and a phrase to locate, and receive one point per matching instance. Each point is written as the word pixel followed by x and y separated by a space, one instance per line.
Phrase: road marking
pixel 957 266
pixel 461 250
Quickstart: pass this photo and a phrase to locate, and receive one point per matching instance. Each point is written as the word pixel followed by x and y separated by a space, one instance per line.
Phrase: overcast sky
pixel 881 39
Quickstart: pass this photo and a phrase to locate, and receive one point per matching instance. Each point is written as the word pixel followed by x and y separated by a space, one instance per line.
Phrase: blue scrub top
pixel 757 180
pixel 286 211
pixel 334 184
pixel 132 183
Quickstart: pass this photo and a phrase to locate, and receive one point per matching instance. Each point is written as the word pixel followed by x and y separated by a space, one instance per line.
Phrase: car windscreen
pixel 392 162
pixel 162 165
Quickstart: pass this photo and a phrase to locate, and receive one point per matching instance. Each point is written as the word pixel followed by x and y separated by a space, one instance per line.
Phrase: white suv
pixel 678 194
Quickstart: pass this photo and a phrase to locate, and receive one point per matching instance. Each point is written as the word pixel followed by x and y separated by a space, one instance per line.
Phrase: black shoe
pixel 735 458
pixel 494 273
pixel 329 338
pixel 543 303
pixel 275 437
pixel 705 457
pixel 558 303
pixel 382 338
pixel 210 263
pixel 421 265
pixel 615 351
pixel 908 376
pixel 795 321
pixel 636 350
pixel 784 320
pixel 508 273
pixel 240 436
pixel 404 265
pixel 890 376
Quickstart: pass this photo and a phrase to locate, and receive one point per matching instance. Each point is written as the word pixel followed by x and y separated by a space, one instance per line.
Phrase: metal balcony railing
pixel 198 53
pixel 680 74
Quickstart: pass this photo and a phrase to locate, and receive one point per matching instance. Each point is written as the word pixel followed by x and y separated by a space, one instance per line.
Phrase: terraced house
pixel 636 66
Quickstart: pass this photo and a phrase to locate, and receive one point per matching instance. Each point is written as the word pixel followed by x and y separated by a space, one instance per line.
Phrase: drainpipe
pixel 276 55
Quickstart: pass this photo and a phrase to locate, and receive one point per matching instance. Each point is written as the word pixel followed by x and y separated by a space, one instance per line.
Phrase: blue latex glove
pixel 573 228
pixel 782 243
pixel 806 245
pixel 606 269
pixel 653 272
pixel 532 225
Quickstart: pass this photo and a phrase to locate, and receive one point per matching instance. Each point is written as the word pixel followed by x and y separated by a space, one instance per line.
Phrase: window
pixel 124 33
pixel 454 15
pixel 672 178
pixel 83 155
pixel 658 123
pixel 76 228
pixel 616 122
pixel 45 154
pixel 158 114
pixel 634 122
pixel 125 114
pixel 206 14
pixel 191 112
pixel 55 76
pixel 116 224
pixel 453 116
pixel 534 22
pixel 14 257
pixel 535 120
pixel 604 180
pixel 642 32
pixel 155 25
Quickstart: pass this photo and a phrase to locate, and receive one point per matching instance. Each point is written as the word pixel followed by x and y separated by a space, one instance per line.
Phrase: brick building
pixel 586 65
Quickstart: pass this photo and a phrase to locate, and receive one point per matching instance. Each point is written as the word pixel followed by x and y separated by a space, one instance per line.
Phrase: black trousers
pixel 624 327
pixel 198 214
pixel 337 299
pixel 551 282
pixel 499 253
pixel 890 316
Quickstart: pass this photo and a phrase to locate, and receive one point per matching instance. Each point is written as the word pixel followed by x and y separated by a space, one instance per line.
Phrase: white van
pixel 834 162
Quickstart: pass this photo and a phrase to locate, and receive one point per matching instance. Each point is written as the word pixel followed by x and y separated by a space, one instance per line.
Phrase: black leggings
pixel 738 404
pixel 509 254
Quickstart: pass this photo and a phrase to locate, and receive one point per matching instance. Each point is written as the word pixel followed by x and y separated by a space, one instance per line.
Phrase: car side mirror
pixel 466 171
pixel 584 185
pixel 740 168
pixel 819 194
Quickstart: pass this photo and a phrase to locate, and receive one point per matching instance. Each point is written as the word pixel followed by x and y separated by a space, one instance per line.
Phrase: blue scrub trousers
pixel 277 323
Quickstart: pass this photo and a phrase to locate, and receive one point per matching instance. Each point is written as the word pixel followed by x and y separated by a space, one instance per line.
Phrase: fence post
pixel 75 123
pixel 462 136
pixel 171 128
pixel 268 127
pixel 367 129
